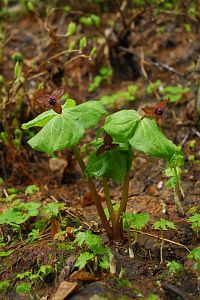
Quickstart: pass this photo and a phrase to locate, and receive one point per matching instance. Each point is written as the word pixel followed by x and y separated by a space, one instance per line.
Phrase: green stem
pixel 108 201
pixel 94 193
pixel 177 194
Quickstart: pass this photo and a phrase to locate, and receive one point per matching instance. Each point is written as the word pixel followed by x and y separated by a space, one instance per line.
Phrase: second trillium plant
pixel 124 132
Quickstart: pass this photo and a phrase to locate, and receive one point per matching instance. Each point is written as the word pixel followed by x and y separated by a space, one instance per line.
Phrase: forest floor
pixel 143 275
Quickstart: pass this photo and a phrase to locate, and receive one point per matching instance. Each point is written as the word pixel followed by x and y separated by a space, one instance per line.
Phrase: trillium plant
pixel 122 133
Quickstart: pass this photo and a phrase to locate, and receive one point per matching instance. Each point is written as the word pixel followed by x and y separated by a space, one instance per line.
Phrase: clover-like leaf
pixel 149 139
pixel 122 125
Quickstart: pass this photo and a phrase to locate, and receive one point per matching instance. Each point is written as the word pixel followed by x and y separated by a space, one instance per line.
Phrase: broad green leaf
pixel 63 131
pixel 90 113
pixel 111 164
pixel 149 139
pixel 122 125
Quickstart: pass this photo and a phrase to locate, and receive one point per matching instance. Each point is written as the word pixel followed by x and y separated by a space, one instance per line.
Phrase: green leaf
pixel 32 208
pixel 195 254
pixel 90 113
pixel 163 225
pixel 149 139
pixel 40 120
pixel 83 43
pixel 136 221
pixel 83 259
pixel 63 131
pixel 195 220
pixel 23 275
pixel 31 189
pixel 174 267
pixel 177 159
pixel 4 285
pixel 94 243
pixel 80 238
pixel 52 208
pixel 71 29
pixel 18 69
pixel 122 125
pixel 23 288
pixel 111 164
pixel 6 253
pixel 12 216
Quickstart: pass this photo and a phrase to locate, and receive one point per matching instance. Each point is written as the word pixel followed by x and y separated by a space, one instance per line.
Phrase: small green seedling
pixel 163 225
pixel 92 20
pixel 195 221
pixel 23 288
pixel 174 93
pixel 127 132
pixel 174 268
pixel 105 74
pixel 135 222
pixel 113 99
pixel 153 297
pixel 4 286
pixel 31 189
pixel 195 256
pixel 95 253
pixel 174 172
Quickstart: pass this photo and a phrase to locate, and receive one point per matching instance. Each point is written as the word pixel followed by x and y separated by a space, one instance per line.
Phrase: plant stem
pixel 122 208
pixel 161 248
pixel 124 200
pixel 108 201
pixel 94 193
pixel 177 194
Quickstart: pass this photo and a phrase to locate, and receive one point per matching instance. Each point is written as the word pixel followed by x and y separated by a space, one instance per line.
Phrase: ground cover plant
pixel 99 149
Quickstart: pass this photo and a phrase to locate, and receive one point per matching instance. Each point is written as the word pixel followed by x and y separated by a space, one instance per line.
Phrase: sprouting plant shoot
pixel 163 225
pixel 135 222
pixel 123 131
pixel 194 255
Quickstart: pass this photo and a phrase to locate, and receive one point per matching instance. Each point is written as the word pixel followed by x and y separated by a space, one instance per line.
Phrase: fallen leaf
pixel 55 228
pixel 64 290
pixel 83 276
